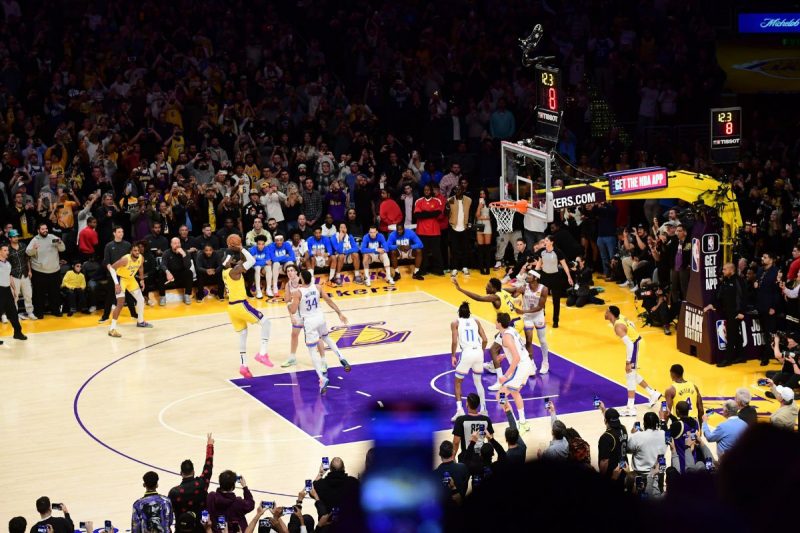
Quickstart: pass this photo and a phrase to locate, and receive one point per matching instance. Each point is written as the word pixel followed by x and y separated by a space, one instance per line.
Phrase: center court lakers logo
pixel 368 334
pixel 785 68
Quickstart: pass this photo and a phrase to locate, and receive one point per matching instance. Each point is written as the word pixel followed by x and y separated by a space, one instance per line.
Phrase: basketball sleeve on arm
pixel 628 348
pixel 249 259
pixel 113 274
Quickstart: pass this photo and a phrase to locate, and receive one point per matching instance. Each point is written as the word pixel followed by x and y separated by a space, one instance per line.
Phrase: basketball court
pixel 85 415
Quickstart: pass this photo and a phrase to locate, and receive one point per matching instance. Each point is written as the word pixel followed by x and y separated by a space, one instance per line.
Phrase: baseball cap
pixel 612 418
pixel 785 393
pixel 13 233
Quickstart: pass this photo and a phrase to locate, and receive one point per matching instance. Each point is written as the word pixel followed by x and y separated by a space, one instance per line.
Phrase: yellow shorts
pixel 127 284
pixel 242 313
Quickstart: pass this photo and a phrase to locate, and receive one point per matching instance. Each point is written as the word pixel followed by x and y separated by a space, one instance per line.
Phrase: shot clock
pixel 726 134
pixel 549 108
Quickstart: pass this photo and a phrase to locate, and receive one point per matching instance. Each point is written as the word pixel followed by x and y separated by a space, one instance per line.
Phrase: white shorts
pixel 470 359
pixel 520 377
pixel 373 257
pixel 348 258
pixel 315 328
pixel 321 261
pixel 533 321
pixel 408 254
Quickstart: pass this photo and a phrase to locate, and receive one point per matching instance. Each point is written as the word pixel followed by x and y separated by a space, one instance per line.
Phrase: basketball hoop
pixel 503 212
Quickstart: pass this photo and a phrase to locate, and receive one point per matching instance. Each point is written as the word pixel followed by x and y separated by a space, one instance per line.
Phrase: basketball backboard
pixel 524 170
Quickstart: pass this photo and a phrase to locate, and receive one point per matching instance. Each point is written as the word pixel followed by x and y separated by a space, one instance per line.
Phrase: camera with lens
pixel 782 336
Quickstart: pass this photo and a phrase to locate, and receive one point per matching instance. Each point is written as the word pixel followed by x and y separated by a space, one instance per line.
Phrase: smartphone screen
pixel 288 510
pixel 399 491
pixel 326 463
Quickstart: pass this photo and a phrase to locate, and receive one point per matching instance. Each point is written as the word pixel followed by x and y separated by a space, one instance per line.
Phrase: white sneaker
pixel 627 411
pixel 92 309
pixel 270 294
pixel 390 281
pixel 259 295
pixel 31 316
pixel 459 412
pixel 533 371
pixel 489 367
pixel 150 303
pixel 545 368
pixel 368 282
pixel 4 319
pixel 465 270
pixel 23 316
pixel 498 265
pixel 495 387
pixel 523 427
pixel 453 273
pixel 653 399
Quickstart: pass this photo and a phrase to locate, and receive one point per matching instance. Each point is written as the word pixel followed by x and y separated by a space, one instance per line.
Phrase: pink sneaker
pixel 264 359
pixel 245 372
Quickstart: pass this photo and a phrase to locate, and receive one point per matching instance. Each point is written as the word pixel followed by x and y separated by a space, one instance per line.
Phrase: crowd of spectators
pixel 647 466
pixel 177 130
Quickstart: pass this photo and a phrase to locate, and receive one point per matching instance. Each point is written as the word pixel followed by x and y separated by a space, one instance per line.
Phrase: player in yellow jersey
pixel 683 391
pixel 626 330
pixel 503 302
pixel 123 272
pixel 240 311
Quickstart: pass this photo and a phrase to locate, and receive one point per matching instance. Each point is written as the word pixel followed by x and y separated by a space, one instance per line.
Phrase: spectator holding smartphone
pixel 334 488
pixel 646 445
pixel 559 446
pixel 224 502
pixel 56 523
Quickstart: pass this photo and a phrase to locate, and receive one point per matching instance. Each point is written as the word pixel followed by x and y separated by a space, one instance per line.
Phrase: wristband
pixel 113 275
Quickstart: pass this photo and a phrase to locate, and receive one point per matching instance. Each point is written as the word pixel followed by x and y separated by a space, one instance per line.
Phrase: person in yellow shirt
pixel 626 331
pixel 240 312
pixel 503 302
pixel 73 289
pixel 124 272
pixel 682 390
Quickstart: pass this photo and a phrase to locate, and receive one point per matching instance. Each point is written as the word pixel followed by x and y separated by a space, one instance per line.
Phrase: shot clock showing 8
pixel 726 134
pixel 548 110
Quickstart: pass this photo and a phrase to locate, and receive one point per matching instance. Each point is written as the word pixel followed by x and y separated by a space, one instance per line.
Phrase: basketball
pixel 234 241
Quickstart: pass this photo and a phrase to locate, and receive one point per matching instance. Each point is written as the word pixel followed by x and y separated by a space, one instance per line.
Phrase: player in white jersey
pixel 292 285
pixel 534 297
pixel 307 301
pixel 520 366
pixel 468 336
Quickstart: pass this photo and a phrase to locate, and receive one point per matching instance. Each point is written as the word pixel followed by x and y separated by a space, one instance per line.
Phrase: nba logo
pixel 722 335
pixel 711 243
pixel 695 255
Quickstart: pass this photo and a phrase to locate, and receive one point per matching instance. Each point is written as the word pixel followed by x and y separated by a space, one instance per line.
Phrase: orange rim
pixel 520 206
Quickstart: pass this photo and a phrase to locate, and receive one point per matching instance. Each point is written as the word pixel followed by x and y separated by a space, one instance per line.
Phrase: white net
pixel 504 216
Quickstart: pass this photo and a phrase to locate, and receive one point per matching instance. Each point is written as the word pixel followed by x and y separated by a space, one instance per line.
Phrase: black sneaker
pixel 418 276
pixel 103 318
pixel 20 337
pixel 764 362
pixel 723 364
pixel 396 275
